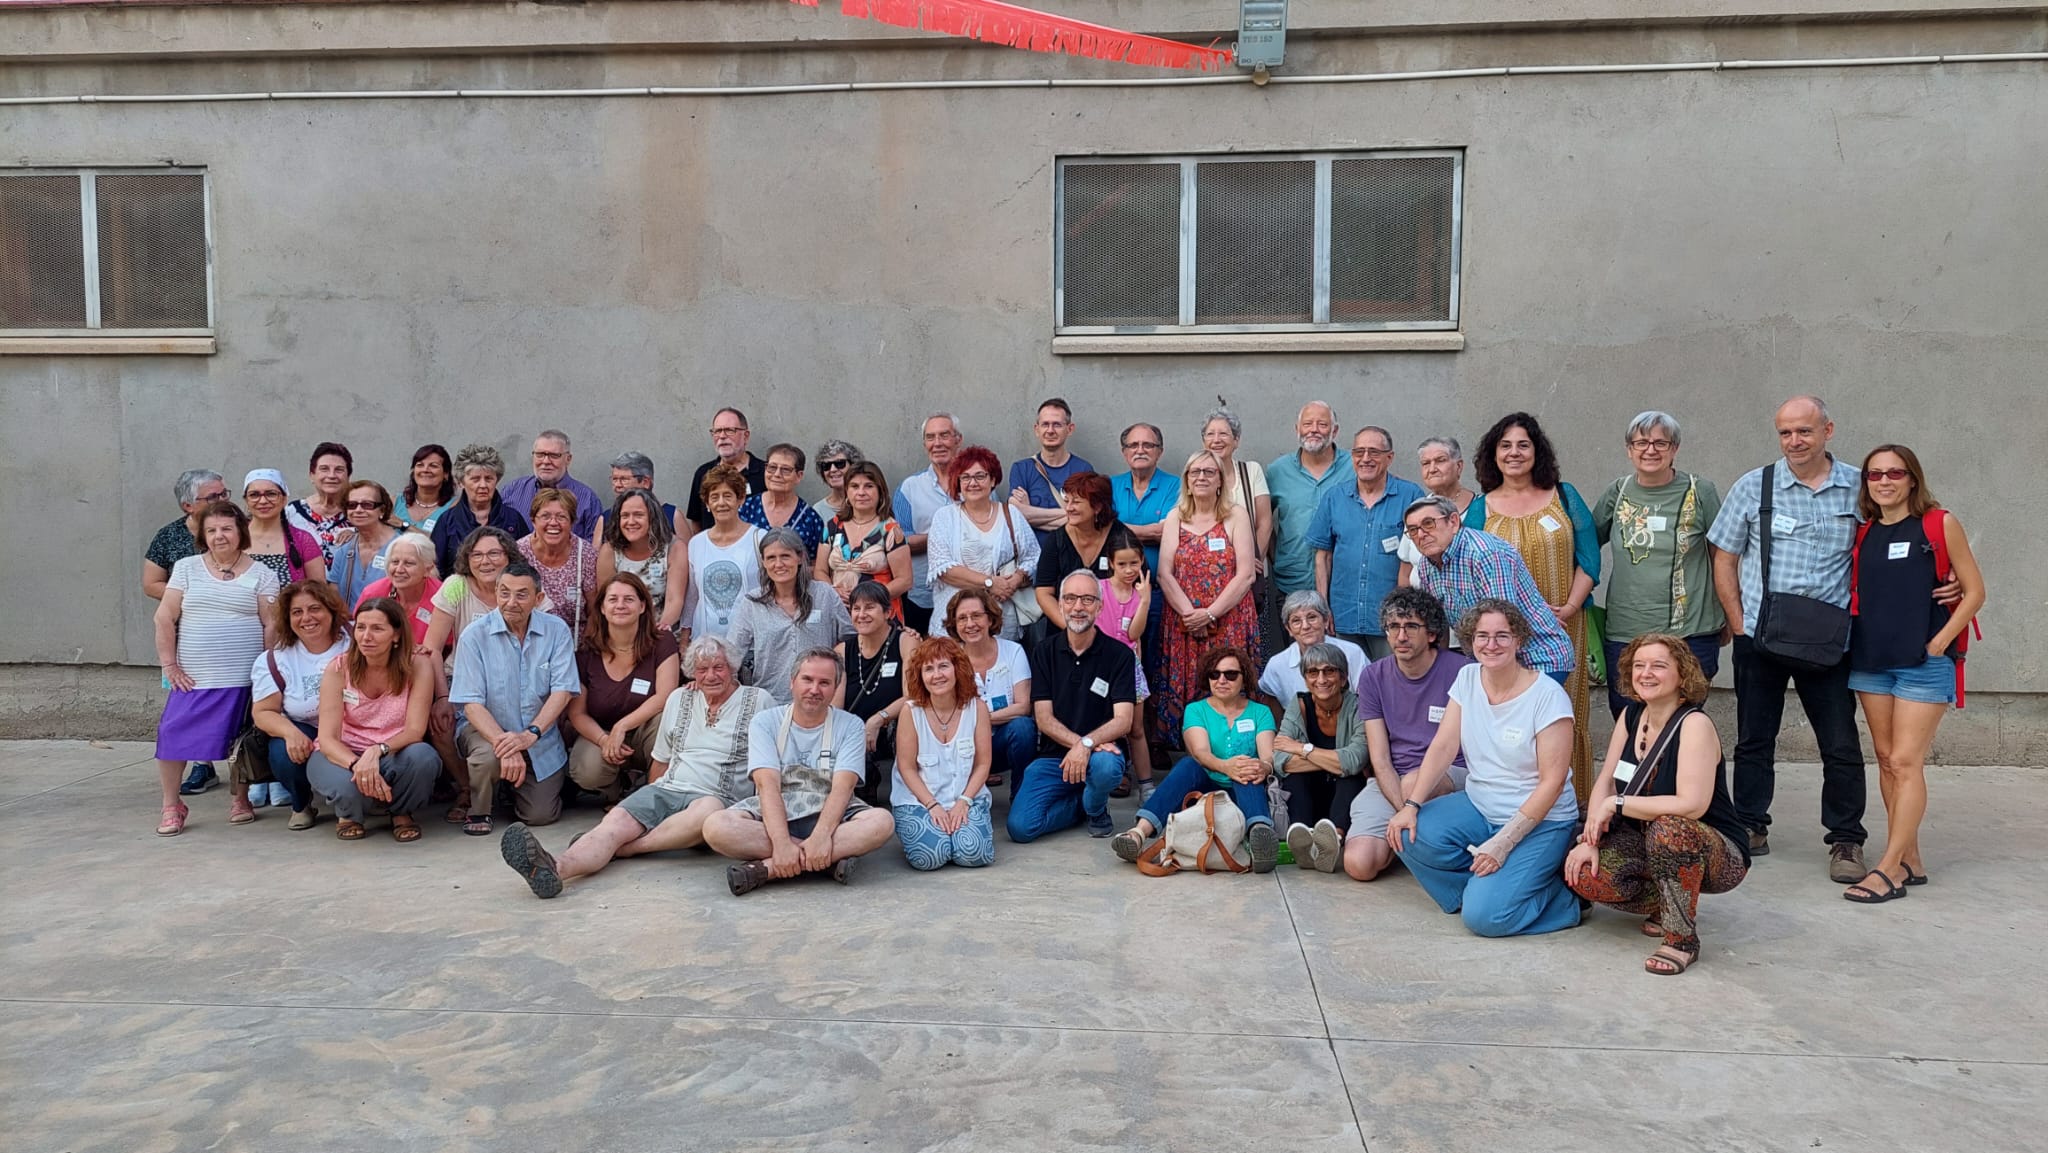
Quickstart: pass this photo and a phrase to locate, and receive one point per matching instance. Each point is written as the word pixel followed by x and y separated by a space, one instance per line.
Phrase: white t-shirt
pixel 719 577
pixel 706 758
pixel 807 773
pixel 999 684
pixel 220 622
pixel 301 671
pixel 946 766
pixel 1283 681
pixel 1500 745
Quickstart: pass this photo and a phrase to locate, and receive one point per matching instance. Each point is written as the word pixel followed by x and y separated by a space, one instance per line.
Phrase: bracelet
pixel 1411 802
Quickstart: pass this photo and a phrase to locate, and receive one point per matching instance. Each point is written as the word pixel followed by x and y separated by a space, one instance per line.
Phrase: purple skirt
pixel 201 725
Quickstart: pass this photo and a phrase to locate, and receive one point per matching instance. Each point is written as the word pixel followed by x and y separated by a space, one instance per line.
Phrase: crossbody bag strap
pixel 1763 516
pixel 1016 554
pixel 1244 497
pixel 1646 768
pixel 270 658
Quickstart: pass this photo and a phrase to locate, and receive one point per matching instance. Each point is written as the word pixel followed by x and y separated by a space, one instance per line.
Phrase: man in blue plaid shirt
pixel 1461 566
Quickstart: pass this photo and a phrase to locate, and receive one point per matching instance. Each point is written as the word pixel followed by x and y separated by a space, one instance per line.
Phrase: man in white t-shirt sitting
pixel 699 768
pixel 806 758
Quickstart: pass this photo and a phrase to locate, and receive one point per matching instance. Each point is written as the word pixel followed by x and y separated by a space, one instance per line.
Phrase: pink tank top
pixel 367 720
pixel 1117 615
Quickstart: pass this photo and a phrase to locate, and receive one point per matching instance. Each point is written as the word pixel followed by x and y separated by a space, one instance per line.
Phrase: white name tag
pixel 247 579
pixel 1549 523
pixel 1624 772
pixel 817 616
pixel 377 561
pixel 350 697
pixel 1246 725
pixel 1780 523
pixel 1102 562
pixel 888 668
pixel 640 685
pixel 1659 524
pixel 1390 544
pixel 1899 550
pixel 1436 714
pixel 427 525
pixel 1127 623
pixel 1100 688
pixel 1512 735
pixel 423 616
pixel 1215 544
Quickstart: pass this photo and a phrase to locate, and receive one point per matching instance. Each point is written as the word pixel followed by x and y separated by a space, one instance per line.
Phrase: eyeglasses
pixel 366 505
pixel 255 496
pixel 778 470
pixel 717 431
pixel 1371 453
pixel 1427 524
pixel 832 465
pixel 976 477
pixel 1318 673
pixel 1406 627
pixel 1079 599
pixel 540 455
pixel 1659 445
pixel 1142 445
pixel 1491 640
pixel 1195 472
pixel 210 497
pixel 936 437
pixel 1227 675
pixel 1885 474
pixel 482 554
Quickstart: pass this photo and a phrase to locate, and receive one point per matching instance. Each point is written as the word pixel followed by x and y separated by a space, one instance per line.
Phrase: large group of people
pixel 1373 670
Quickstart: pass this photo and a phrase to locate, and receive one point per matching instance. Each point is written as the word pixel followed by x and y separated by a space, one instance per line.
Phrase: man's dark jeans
pixel 1831 709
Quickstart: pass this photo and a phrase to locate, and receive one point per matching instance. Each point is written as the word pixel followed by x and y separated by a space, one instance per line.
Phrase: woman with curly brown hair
pixel 940 796
pixel 1660 827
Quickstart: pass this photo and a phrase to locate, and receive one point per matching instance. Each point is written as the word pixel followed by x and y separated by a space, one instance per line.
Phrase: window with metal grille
pixel 106 250
pixel 1306 242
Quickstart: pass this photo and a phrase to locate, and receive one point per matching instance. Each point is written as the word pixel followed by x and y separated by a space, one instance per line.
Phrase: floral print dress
pixel 1203 569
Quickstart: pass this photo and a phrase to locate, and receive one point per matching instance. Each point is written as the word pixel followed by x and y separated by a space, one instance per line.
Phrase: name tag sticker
pixel 350 696
pixel 423 616
pixel 1389 544
pixel 888 668
pixel 817 616
pixel 1899 550
pixel 1624 772
pixel 1659 523
pixel 1436 714
pixel 1127 623
pixel 377 561
pixel 998 702
pixel 1549 523
pixel 1216 544
pixel 1246 725
pixel 1100 688
pixel 1512 735
pixel 1780 523
pixel 247 579
pixel 641 686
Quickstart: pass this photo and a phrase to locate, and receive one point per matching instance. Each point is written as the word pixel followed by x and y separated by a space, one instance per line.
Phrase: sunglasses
pixel 371 505
pixel 832 465
pixel 1227 675
pixel 1885 474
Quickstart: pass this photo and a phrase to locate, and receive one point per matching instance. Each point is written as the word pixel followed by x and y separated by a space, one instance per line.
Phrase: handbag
pixel 1812 636
pixel 1208 823
pixel 1024 607
pixel 249 757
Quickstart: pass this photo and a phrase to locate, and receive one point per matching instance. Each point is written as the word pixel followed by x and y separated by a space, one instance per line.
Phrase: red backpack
pixel 1933 525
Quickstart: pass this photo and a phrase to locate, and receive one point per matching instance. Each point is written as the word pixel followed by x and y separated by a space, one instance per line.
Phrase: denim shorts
pixel 1931 682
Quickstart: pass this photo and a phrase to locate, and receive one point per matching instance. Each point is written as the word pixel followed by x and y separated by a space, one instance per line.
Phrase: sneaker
pixel 1329 846
pixel 745 877
pixel 1759 843
pixel 1845 863
pixel 1145 791
pixel 521 850
pixel 842 870
pixel 1301 843
pixel 1265 847
pixel 280 797
pixel 1101 826
pixel 199 779
pixel 1127 845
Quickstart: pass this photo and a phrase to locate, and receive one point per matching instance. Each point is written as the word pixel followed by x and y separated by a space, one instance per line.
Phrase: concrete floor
pixel 251 988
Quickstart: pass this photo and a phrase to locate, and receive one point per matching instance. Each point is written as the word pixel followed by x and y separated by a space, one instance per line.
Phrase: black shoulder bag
pixel 1809 635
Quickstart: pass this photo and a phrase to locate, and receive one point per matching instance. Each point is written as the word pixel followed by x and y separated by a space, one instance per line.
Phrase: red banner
pixel 1011 26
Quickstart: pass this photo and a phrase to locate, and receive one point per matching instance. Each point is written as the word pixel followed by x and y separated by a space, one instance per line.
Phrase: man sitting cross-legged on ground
pixel 806 758
pixel 1083 696
pixel 699 768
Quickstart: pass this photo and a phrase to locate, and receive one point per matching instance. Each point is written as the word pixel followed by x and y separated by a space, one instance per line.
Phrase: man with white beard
pixel 1297 482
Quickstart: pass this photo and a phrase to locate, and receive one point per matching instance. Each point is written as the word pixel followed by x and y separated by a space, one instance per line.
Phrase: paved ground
pixel 253 988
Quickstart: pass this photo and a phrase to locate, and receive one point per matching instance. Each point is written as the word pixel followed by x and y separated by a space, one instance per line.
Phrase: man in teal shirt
pixel 1297 482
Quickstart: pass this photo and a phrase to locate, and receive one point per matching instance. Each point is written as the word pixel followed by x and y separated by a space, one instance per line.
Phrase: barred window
pixel 105 251
pixel 1310 242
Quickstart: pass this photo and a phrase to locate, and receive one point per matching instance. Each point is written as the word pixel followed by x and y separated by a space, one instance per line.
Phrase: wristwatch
pixel 534 729
pixel 1618 799
pixel 383 749
pixel 988 582
pixel 1088 743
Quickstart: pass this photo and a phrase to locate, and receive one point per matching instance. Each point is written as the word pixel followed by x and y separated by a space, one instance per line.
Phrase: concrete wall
pixel 394 272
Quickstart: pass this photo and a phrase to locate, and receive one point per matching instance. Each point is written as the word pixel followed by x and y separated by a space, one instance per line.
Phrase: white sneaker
pixel 280 797
pixel 1145 791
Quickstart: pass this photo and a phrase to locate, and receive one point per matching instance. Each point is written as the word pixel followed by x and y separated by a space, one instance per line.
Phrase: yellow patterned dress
pixel 1548 553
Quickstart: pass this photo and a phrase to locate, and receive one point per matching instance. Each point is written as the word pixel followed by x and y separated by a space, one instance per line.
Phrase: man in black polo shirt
pixel 1083 695
pixel 729 435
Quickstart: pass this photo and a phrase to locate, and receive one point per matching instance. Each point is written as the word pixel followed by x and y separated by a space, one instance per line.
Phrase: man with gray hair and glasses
pixel 1656 520
pixel 195 489
pixel 917 498
pixel 1462 566
pixel 635 470
pixel 551 459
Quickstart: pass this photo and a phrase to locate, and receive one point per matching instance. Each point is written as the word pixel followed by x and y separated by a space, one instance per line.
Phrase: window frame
pixel 89 235
pixel 1324 162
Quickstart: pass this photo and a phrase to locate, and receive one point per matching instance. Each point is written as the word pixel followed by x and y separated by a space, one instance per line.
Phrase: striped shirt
pixel 1813 532
pixel 1479 565
pixel 220 622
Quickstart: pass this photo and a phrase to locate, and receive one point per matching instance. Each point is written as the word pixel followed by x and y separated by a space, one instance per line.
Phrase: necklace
pixel 227 571
pixel 942 727
pixel 871 667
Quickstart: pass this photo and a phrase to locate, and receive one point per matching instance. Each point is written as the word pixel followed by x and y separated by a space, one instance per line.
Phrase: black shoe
pixel 842 870
pixel 1759 843
pixel 1265 847
pixel 521 850
pixel 1101 826
pixel 199 779
pixel 745 877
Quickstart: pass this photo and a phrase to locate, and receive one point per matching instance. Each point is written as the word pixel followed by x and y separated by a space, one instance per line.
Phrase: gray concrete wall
pixel 394 272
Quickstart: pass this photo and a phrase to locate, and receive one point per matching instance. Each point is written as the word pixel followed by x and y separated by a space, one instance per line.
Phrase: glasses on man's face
pixel 1083 599
pixel 210 497
pixel 1885 474
pixel 365 505
pixel 938 437
pixel 1227 675
pixel 1406 627
pixel 541 454
pixel 728 431
pixel 1141 446
pixel 1428 524
pixel 1371 453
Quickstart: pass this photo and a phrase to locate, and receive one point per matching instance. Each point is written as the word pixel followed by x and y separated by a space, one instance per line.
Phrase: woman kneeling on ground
pixel 1660 829
pixel 1229 740
pixel 940 792
pixel 1494 851
pixel 373 727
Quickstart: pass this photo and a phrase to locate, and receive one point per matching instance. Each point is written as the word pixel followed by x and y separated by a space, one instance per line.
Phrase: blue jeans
pixel 1527 894
pixel 290 773
pixel 1706 648
pixel 1046 803
pixel 1190 777
pixel 1016 745
pixel 927 848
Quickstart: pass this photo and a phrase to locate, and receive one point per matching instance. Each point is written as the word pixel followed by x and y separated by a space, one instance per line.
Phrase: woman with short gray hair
pixel 1306 616
pixel 478 469
pixel 791 614
pixel 1655 519
pixel 1322 757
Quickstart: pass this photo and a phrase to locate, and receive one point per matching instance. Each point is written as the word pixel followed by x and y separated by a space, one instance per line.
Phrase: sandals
pixel 350 831
pixel 174 820
pixel 1913 878
pixel 1652 929
pixel 240 811
pixel 478 825
pixel 1127 845
pixel 1669 961
pixel 406 833
pixel 457 814
pixel 1863 894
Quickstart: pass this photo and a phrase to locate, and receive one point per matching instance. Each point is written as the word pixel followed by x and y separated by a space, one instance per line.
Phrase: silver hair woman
pixel 793 612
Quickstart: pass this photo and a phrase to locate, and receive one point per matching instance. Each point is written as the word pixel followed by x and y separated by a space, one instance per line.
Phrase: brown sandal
pixel 1669 961
pixel 457 814
pixel 406 833
pixel 349 831
pixel 1652 929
